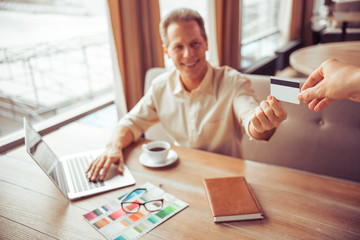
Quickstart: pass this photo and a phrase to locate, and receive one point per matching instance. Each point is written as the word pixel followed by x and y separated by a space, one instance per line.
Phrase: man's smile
pixel 190 64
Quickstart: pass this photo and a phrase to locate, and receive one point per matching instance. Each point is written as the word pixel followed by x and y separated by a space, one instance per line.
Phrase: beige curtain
pixel 227 28
pixel 300 27
pixel 135 25
pixel 285 23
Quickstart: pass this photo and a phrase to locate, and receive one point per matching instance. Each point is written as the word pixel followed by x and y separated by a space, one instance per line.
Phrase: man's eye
pixel 195 44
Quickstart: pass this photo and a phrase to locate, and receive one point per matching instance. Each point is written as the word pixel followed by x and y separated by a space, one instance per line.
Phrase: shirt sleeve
pixel 142 115
pixel 245 103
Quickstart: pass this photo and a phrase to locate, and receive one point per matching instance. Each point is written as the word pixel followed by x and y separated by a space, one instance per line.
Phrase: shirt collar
pixel 178 85
pixel 206 85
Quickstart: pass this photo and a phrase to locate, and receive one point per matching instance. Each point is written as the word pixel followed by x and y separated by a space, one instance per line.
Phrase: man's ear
pixel 166 51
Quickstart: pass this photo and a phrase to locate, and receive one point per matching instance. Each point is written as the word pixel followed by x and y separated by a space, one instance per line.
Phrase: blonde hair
pixel 180 15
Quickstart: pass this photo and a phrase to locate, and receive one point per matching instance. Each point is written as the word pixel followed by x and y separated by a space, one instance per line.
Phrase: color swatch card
pixel 114 223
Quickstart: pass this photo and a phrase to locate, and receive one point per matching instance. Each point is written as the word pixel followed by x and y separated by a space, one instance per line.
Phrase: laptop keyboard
pixel 77 167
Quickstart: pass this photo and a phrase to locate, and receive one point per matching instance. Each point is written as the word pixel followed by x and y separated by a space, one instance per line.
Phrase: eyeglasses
pixel 134 206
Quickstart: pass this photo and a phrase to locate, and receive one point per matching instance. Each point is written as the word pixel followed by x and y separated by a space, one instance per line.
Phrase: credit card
pixel 284 89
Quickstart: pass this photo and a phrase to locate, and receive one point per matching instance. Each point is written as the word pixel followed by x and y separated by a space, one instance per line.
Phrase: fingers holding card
pixel 268 115
pixel 276 107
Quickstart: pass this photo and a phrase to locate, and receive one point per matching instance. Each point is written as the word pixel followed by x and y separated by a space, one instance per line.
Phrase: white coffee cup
pixel 156 151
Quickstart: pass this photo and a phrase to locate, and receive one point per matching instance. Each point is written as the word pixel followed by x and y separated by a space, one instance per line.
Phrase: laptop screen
pixel 43 155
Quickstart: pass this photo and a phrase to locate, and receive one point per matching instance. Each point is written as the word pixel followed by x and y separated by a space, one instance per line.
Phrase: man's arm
pixel 112 154
pixel 267 118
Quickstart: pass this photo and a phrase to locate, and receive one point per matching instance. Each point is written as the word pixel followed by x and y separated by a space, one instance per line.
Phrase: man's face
pixel 187 49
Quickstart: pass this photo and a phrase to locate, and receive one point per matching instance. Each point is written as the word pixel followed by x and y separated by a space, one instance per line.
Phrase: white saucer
pixel 171 158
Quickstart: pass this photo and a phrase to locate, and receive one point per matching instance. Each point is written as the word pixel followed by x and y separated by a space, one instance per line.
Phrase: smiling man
pixel 187 47
pixel 198 105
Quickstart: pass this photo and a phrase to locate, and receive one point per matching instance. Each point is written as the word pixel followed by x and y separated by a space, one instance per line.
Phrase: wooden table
pixel 306 60
pixel 297 205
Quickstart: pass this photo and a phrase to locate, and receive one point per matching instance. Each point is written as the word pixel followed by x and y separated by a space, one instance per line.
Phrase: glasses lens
pixel 130 207
pixel 153 206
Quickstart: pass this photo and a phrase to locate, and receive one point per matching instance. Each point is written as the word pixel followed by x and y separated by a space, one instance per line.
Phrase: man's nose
pixel 188 52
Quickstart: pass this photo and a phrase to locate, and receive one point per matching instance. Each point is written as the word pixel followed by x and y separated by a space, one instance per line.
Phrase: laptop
pixel 68 172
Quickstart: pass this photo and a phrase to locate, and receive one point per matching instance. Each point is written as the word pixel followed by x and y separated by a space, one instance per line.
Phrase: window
pixel 260 28
pixel 54 57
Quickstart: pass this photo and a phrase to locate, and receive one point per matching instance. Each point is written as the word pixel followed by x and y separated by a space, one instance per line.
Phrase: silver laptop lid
pixel 44 157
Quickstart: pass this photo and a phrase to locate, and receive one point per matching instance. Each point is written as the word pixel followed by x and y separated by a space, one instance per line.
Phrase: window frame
pixel 16 138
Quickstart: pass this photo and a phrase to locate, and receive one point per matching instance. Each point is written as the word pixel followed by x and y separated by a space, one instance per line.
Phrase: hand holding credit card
pixel 285 89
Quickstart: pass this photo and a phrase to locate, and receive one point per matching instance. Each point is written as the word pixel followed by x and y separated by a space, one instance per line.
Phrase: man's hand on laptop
pixel 103 162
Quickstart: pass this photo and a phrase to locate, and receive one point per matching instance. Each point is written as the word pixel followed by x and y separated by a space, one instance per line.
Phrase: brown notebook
pixel 231 199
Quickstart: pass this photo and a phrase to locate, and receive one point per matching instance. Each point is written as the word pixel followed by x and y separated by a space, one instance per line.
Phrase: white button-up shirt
pixel 212 117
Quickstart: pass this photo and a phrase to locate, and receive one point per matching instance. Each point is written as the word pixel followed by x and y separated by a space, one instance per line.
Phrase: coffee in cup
pixel 156 151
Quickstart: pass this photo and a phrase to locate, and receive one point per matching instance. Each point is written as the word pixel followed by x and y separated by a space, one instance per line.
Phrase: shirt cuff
pixel 247 125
